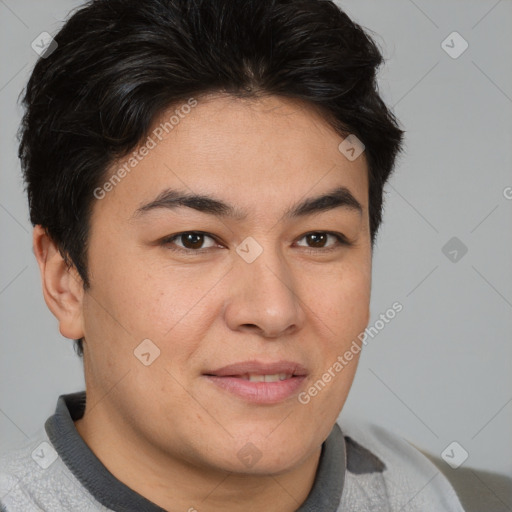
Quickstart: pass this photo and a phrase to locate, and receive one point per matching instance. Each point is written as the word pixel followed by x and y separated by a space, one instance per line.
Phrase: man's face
pixel 266 292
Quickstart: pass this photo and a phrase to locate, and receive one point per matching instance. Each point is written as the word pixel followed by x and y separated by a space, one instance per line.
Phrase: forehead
pixel 257 155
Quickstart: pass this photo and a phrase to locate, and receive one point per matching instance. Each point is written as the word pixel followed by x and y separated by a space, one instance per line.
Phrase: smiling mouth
pixel 254 377
pixel 278 370
pixel 259 383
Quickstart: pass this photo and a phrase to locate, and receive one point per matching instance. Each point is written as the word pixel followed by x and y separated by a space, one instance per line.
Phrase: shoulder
pixel 383 467
pixel 33 478
pixel 18 466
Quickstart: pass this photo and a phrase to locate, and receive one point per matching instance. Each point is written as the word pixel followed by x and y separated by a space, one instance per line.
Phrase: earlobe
pixel 63 289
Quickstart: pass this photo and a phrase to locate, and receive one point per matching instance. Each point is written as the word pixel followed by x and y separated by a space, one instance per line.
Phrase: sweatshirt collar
pixel 325 494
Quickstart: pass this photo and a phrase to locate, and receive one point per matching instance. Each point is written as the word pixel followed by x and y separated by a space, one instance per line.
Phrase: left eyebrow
pixel 340 197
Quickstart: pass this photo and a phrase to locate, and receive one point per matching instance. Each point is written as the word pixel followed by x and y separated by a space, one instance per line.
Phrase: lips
pixel 259 368
pixel 259 382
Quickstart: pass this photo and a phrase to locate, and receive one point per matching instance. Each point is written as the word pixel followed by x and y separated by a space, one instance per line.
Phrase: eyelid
pixel 171 238
pixel 341 241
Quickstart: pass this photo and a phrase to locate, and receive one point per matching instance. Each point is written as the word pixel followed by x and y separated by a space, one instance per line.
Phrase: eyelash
pixel 341 241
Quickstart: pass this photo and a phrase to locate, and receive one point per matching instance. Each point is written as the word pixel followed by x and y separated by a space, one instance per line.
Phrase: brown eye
pixel 190 241
pixel 319 239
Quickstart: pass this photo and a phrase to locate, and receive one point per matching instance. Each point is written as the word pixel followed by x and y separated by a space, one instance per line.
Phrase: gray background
pixel 441 371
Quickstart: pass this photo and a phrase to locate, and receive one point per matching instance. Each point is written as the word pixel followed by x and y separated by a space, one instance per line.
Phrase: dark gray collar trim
pixel 82 462
pixel 113 494
pixel 361 461
pixel 330 476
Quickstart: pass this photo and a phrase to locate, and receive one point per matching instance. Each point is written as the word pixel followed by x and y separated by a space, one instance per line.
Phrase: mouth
pixel 255 377
pixel 259 383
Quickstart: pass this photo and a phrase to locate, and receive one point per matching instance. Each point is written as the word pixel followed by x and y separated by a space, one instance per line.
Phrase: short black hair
pixel 119 64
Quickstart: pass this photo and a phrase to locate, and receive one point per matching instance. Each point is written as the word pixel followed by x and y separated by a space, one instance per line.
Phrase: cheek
pixel 174 307
pixel 353 312
pixel 342 300
pixel 343 314
pixel 342 306
pixel 141 298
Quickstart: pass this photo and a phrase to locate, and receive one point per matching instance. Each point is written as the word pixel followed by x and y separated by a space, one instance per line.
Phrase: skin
pixel 164 429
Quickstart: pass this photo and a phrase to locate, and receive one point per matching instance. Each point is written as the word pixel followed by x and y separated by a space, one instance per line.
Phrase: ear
pixel 62 286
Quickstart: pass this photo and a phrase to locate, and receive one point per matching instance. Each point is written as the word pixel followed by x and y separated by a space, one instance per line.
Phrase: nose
pixel 264 297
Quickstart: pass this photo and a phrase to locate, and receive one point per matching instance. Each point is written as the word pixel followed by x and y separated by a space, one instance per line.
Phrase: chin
pixel 264 455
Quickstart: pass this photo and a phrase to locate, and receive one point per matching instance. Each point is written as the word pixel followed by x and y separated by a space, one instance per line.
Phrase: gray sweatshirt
pixel 361 469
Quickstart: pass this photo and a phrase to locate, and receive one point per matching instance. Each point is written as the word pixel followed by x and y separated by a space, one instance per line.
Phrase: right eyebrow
pixel 340 197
